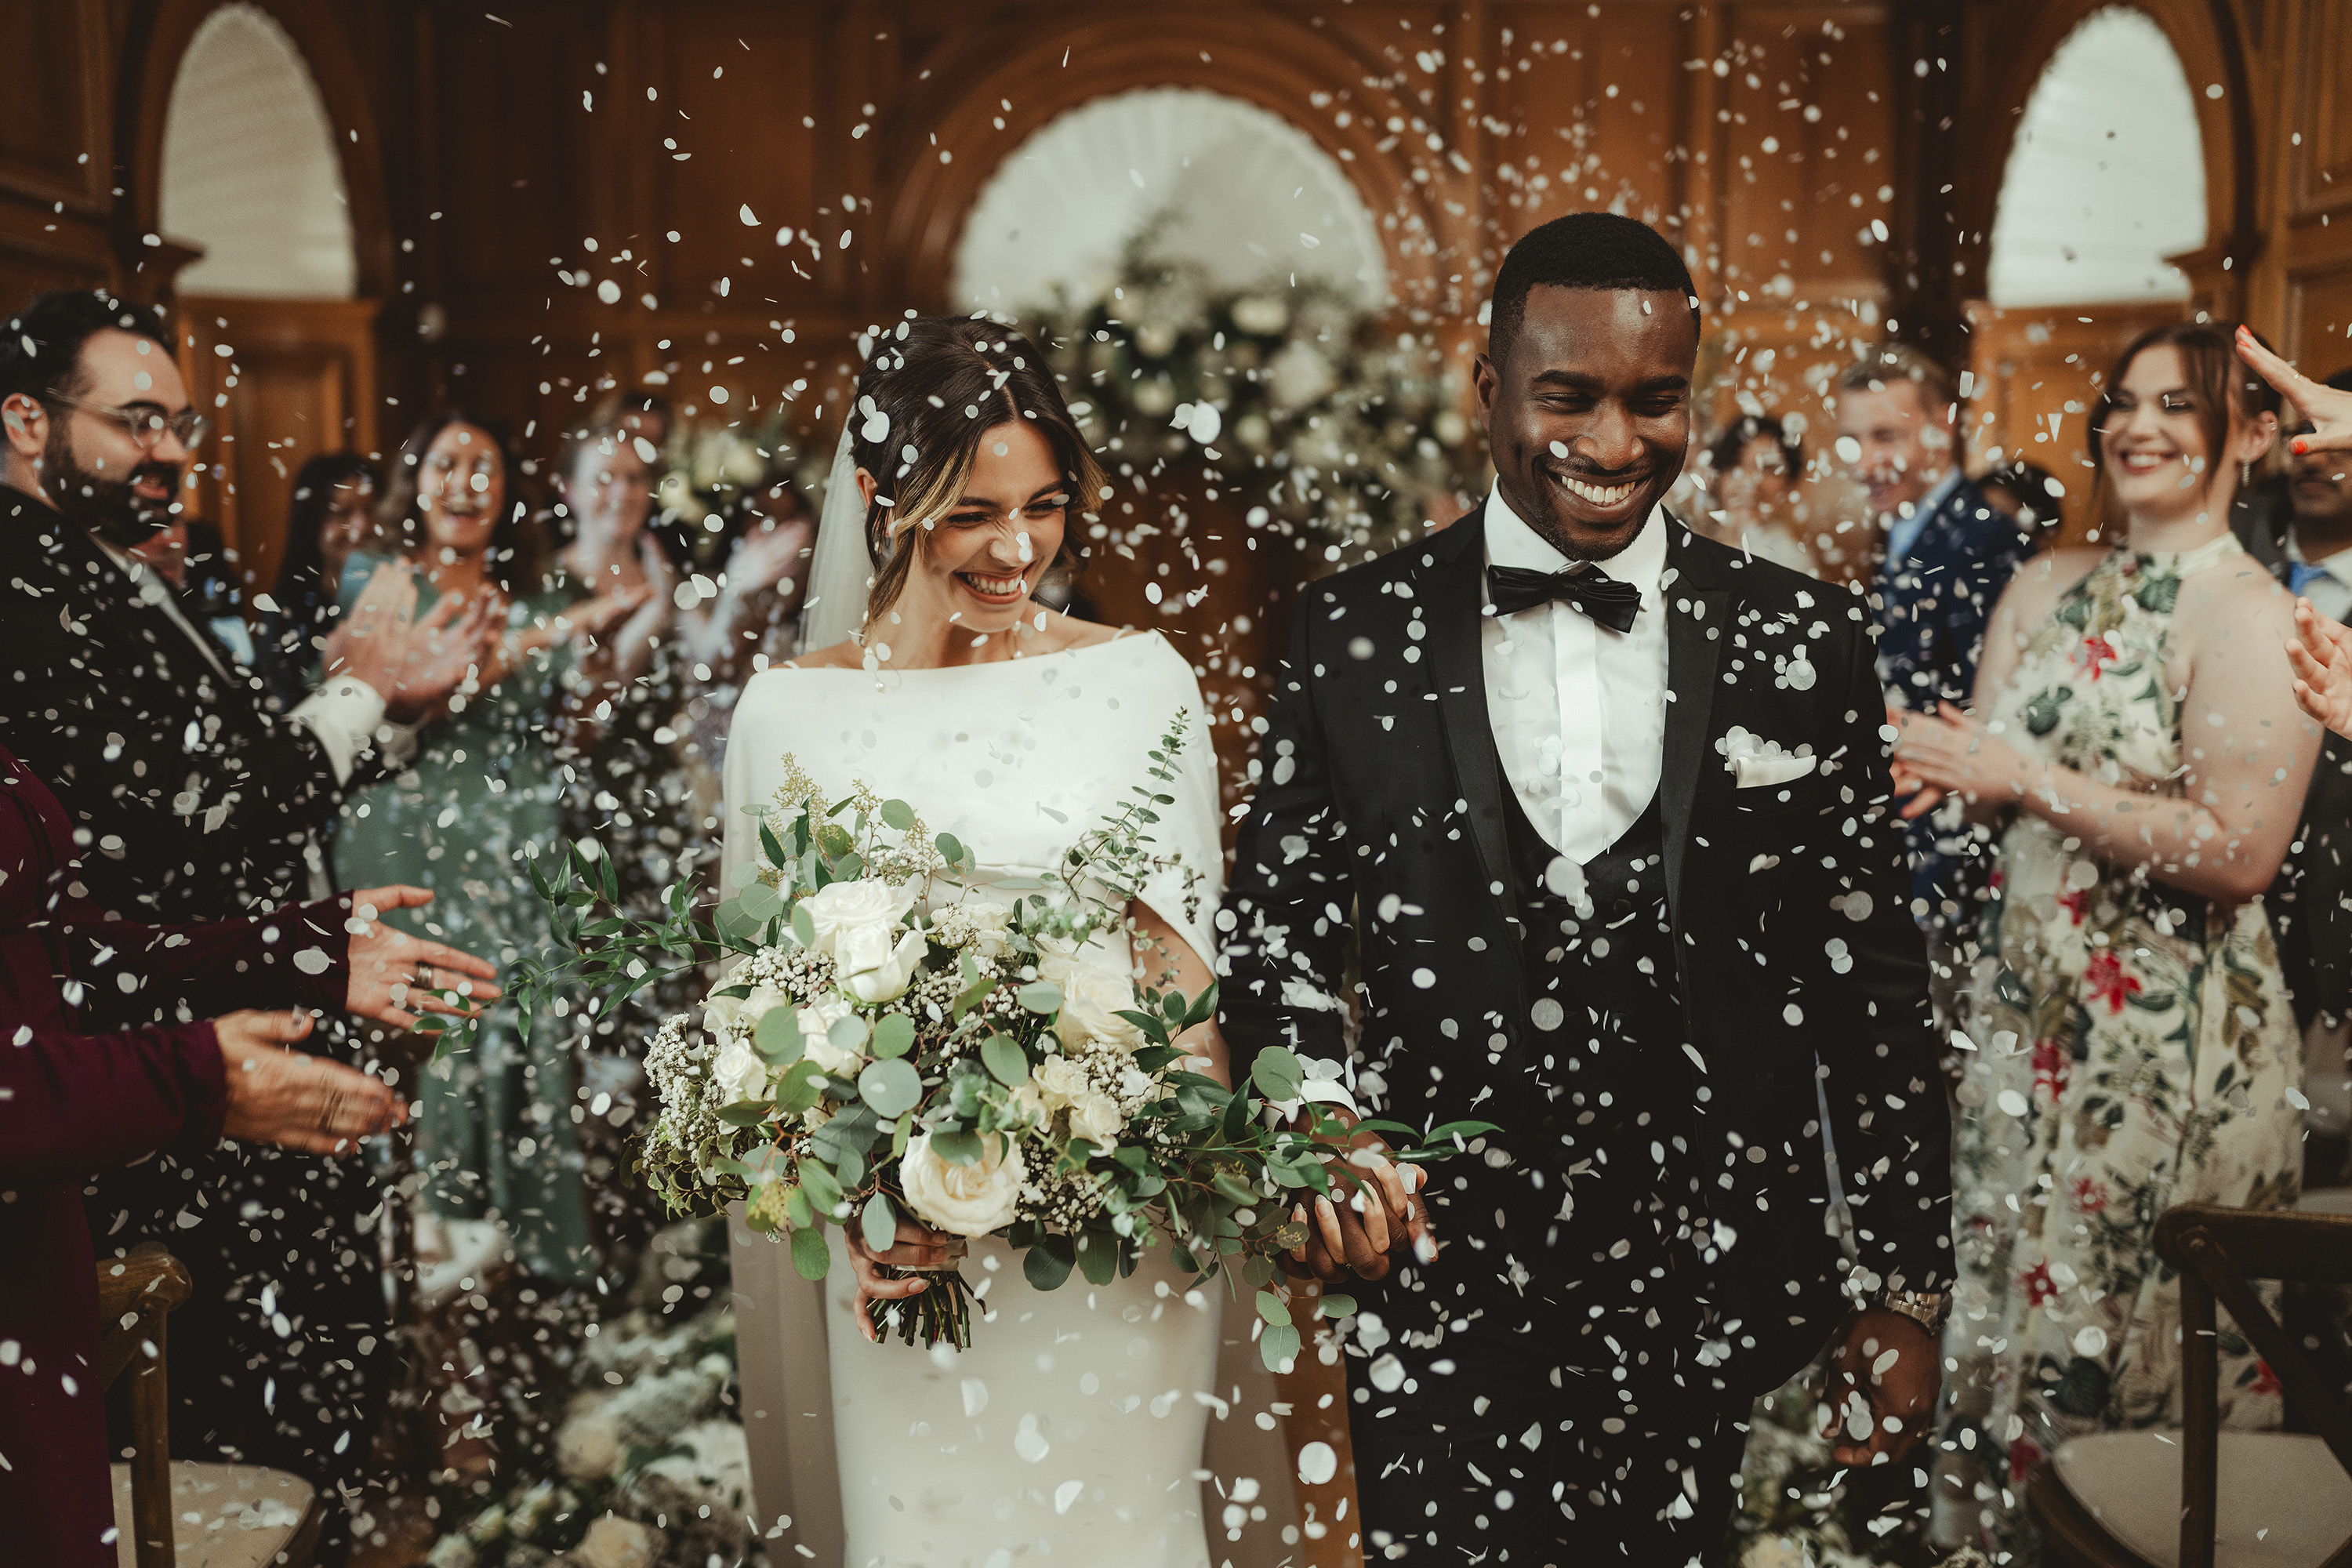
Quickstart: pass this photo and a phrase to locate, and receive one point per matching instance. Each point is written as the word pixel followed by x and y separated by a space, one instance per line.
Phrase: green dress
pixel 495 1136
pixel 2133 1049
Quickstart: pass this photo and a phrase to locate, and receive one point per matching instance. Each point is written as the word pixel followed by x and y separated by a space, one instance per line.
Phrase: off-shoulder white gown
pixel 1073 1428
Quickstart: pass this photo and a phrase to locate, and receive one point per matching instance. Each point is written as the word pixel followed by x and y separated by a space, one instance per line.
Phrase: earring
pixel 2245 476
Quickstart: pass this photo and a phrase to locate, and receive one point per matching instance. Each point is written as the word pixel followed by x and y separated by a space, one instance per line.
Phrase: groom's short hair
pixel 1583 250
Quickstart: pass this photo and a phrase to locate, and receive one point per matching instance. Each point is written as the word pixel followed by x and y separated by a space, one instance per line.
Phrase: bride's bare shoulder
pixel 842 655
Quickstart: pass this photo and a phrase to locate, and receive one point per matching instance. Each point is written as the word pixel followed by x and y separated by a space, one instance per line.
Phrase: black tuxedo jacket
pixel 1380 809
pixel 189 801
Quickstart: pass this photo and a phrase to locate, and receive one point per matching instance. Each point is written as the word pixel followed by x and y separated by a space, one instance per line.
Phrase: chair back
pixel 136 1294
pixel 2217 1251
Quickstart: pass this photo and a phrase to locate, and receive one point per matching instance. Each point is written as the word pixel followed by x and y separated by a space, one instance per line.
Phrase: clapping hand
pixel 1947 753
pixel 396 976
pixel 1372 1220
pixel 1881 1389
pixel 2327 410
pixel 412 661
pixel 2321 654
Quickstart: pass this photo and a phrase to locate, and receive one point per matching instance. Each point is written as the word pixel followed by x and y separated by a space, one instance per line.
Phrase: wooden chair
pixel 2104 1501
pixel 236 1516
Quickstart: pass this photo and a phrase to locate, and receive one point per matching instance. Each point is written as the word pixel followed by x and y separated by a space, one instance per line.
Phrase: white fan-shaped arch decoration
pixel 2107 174
pixel 1244 192
pixel 249 166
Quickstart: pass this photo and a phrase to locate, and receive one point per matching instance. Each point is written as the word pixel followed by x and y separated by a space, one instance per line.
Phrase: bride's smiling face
pixel 978 563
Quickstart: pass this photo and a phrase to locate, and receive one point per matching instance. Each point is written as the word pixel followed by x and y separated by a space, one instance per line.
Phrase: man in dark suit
pixel 192 803
pixel 1948 553
pixel 1602 807
pixel 2302 530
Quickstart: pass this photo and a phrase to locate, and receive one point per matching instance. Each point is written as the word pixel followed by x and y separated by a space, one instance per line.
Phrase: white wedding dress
pixel 1073 1426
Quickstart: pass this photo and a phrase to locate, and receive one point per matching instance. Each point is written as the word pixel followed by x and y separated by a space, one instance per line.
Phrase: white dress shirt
pixel 343 713
pixel 1579 711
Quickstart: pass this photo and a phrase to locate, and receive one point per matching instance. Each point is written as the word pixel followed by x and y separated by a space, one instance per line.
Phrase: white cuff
pixel 342 714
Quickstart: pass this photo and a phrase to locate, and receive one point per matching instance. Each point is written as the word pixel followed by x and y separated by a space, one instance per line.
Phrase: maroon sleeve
pixel 298 956
pixel 72 1103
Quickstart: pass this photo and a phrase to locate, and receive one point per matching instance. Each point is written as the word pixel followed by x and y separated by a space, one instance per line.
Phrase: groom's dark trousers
pixel 1641 1249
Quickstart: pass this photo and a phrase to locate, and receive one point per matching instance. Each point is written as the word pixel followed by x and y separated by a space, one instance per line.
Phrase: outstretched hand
pixel 914 1247
pixel 396 976
pixel 2321 654
pixel 1373 1219
pixel 1881 1389
pixel 2327 410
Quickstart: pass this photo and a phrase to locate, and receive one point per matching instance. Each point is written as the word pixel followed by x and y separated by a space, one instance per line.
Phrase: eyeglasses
pixel 145 424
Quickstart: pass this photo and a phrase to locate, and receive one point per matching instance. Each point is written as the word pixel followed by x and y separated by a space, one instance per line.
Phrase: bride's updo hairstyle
pixel 932 388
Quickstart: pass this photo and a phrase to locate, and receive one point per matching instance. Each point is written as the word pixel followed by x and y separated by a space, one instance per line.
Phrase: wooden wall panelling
pixel 57 151
pixel 298 379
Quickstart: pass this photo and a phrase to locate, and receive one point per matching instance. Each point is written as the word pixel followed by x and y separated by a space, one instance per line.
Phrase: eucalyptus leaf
pixel 891 1086
pixel 1338 1306
pixel 811 1257
pixel 1273 1308
pixel 957 1147
pixel 848 1035
pixel 1004 1058
pixel 1047 1264
pixel 761 901
pixel 819 1184
pixel 894 1035
pixel 804 925
pixel 803 1087
pixel 1278 1344
pixel 1097 1253
pixel 1040 997
pixel 881 1226
pixel 897 814
pixel 777 1036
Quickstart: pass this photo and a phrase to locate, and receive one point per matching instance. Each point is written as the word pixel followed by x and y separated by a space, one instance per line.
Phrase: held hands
pixel 1947 753
pixel 1881 1389
pixel 297 1101
pixel 2321 654
pixel 915 1248
pixel 2327 410
pixel 393 971
pixel 1374 1217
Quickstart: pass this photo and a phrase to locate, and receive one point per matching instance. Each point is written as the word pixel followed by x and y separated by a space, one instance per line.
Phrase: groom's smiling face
pixel 1588 412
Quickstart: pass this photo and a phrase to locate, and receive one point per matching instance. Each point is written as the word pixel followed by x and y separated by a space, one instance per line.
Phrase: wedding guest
pixel 75 1099
pixel 194 802
pixel 1948 555
pixel 495 1133
pixel 2029 495
pixel 1756 467
pixel 2133 1047
pixel 329 519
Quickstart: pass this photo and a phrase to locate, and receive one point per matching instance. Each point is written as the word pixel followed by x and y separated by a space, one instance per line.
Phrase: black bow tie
pixel 1592 592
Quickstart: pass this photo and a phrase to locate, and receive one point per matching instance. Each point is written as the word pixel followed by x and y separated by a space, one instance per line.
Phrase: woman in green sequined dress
pixel 495 1136
pixel 2131 1044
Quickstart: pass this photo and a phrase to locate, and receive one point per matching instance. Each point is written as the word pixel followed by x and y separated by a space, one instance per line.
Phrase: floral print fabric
pixel 2133 1049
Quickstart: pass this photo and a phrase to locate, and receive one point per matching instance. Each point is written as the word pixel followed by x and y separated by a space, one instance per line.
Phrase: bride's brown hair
pixel 933 386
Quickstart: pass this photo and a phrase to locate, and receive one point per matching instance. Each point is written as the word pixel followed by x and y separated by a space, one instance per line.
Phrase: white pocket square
pixel 1763 773
pixel 1756 763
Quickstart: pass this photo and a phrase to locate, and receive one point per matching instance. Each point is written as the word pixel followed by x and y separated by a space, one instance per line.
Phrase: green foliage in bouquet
pixel 894 1038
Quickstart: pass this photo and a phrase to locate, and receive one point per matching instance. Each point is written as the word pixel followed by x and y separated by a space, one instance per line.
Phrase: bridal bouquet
pixel 896 1037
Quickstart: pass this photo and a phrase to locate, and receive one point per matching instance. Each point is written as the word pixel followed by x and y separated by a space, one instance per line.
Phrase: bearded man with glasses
pixel 191 802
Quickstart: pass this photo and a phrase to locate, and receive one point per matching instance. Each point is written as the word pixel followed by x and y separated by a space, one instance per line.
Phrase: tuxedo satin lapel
pixel 1458 592
pixel 1698 599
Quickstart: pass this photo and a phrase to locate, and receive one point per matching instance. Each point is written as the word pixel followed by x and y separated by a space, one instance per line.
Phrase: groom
pixel 1603 806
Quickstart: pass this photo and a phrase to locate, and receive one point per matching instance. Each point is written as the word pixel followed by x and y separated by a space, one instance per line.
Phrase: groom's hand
pixel 1373 1219
pixel 1881 1388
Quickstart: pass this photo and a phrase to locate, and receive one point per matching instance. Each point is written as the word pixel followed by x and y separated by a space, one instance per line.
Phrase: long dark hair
pixel 932 388
pixel 510 542
pixel 299 564
pixel 1731 444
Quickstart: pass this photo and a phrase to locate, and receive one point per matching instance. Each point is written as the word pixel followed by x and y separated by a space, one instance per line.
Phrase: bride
pixel 1073 1426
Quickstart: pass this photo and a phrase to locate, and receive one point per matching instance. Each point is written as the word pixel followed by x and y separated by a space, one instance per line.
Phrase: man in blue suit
pixel 1948 554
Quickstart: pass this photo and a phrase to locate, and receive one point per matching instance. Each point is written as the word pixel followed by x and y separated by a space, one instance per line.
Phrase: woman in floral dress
pixel 2131 1044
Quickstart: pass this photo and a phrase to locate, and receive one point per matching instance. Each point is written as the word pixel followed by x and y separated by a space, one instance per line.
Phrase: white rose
pixel 873 972
pixel 1059 1081
pixel 617 1543
pixel 865 908
pixel 989 922
pixel 739 1071
pixel 965 1200
pixel 1092 996
pixel 719 1013
pixel 816 1021
pixel 588 1446
pixel 1094 1116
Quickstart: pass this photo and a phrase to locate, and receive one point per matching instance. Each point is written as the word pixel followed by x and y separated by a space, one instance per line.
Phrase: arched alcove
pixel 2107 175
pixel 1217 182
pixel 249 168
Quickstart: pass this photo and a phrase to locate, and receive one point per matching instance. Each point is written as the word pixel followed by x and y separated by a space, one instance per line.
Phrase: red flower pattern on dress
pixel 2076 903
pixel 2097 652
pixel 2037 1285
pixel 2265 1380
pixel 2105 980
pixel 2051 1066
pixel 2023 1455
pixel 2089 1194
